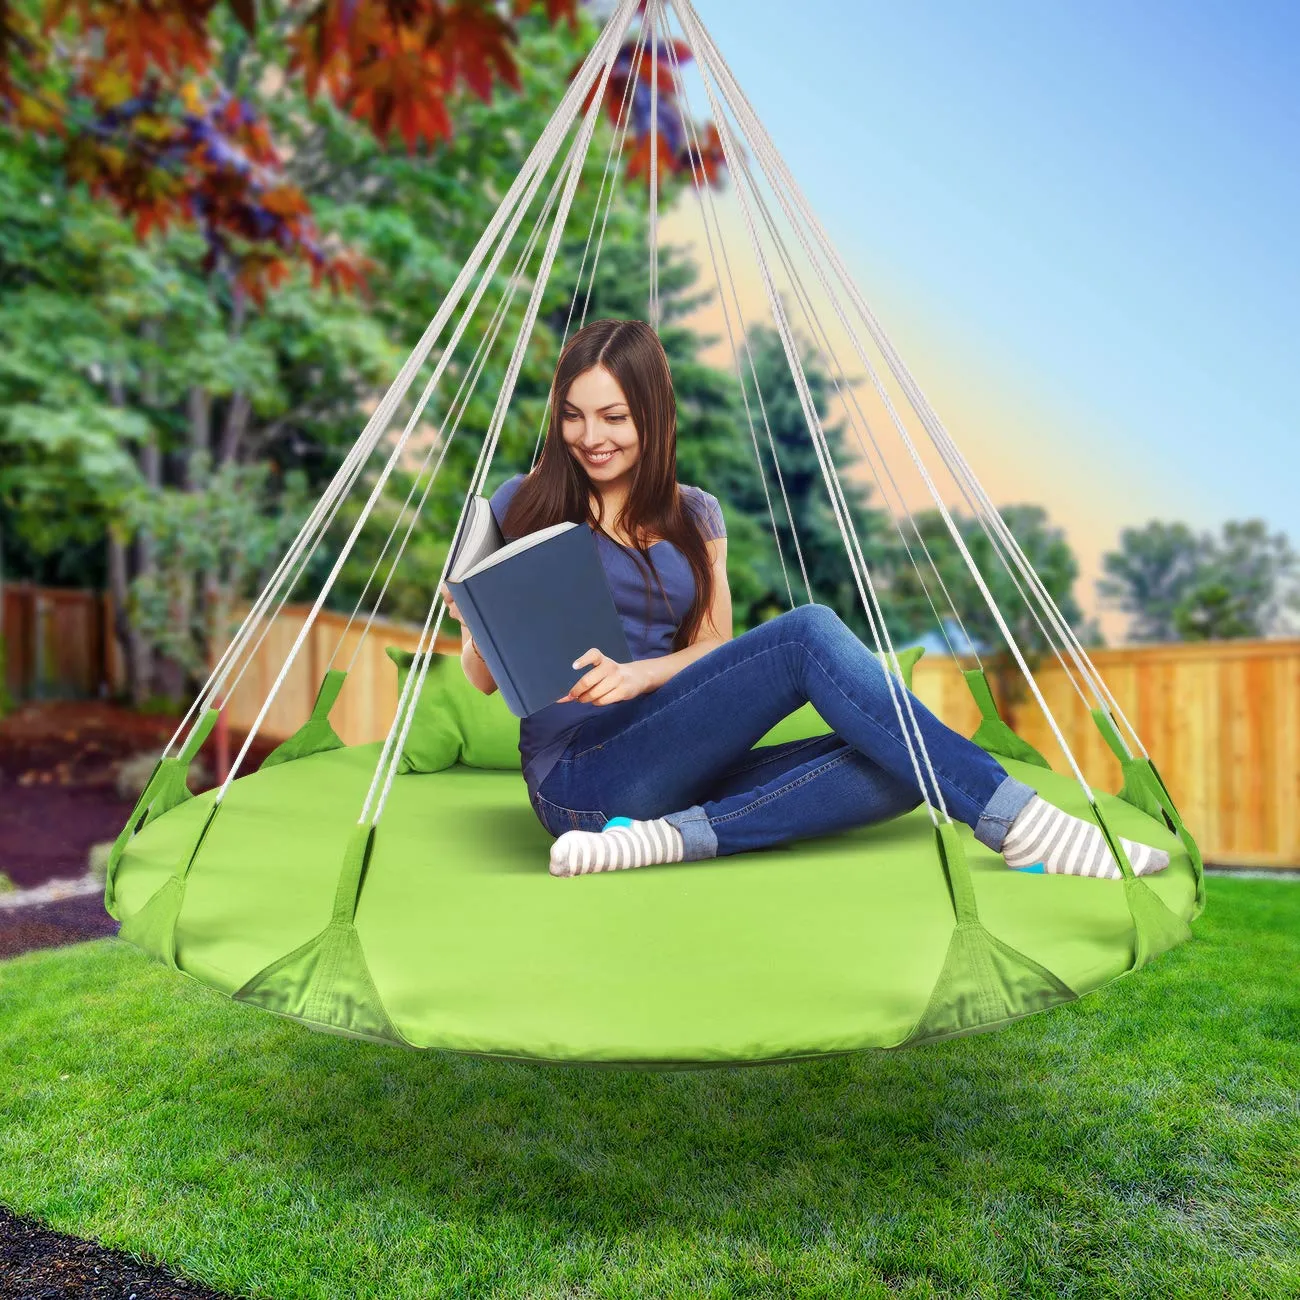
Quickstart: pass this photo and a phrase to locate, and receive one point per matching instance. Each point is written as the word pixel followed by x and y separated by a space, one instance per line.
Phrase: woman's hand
pixel 608 681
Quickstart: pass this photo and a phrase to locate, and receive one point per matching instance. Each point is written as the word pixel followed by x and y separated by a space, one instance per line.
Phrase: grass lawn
pixel 1144 1142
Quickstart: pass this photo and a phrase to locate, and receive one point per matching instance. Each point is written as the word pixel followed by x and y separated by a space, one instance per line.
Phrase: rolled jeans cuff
pixel 1001 810
pixel 698 838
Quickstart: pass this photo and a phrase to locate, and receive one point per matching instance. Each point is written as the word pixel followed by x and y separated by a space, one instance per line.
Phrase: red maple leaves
pixel 158 137
pixel 155 137
pixel 682 148
pixel 392 63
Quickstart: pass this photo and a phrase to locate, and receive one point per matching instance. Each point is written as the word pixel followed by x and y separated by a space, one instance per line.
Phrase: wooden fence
pixel 368 701
pixel 1221 719
pixel 55 641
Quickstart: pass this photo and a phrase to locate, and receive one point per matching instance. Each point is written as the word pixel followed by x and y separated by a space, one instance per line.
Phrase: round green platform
pixel 462 940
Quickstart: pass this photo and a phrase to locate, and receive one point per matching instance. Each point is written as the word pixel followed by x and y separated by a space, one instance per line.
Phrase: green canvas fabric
pixel 167 786
pixel 993 735
pixel 316 734
pixel 326 982
pixel 984 982
pixel 153 927
pixel 805 722
pixel 461 940
pixel 1156 928
pixel 454 721
pixel 1158 788
pixel 1136 788
pixel 1144 788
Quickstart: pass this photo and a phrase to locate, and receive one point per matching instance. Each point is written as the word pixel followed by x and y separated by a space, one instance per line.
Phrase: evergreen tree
pixel 830 575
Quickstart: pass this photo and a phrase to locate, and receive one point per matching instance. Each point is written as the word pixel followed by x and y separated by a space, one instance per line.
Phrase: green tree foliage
pixel 128 366
pixel 122 362
pixel 65 448
pixel 1047 550
pixel 1178 585
pixel 1150 574
pixel 419 220
pixel 139 94
pixel 226 528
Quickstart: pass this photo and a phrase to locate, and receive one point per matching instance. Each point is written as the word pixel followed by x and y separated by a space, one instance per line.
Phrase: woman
pixel 663 745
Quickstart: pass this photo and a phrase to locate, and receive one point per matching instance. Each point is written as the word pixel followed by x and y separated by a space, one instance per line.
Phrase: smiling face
pixel 598 428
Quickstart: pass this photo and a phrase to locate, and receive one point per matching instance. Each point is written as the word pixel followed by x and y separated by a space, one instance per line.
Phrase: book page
pixel 479 538
pixel 523 543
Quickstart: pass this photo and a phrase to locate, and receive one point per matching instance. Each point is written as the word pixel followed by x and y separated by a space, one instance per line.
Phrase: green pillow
pixel 454 721
pixel 805 722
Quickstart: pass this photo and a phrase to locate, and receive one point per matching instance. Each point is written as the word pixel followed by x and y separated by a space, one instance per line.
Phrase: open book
pixel 533 605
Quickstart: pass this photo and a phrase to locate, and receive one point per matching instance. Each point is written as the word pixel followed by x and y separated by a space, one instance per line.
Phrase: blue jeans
pixel 685 751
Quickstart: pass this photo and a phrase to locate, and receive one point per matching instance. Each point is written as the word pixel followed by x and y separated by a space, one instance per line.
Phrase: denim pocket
pixel 557 818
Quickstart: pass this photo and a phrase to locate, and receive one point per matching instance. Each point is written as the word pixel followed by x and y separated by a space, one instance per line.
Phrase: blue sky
pixel 1090 211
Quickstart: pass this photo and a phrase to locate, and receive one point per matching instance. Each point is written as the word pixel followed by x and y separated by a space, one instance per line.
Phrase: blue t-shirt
pixel 544 735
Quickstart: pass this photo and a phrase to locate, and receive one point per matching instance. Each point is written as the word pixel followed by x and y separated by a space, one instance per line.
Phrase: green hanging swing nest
pixel 438 925
pixel 441 927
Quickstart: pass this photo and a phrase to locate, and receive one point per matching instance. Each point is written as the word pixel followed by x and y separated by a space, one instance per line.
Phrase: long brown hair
pixel 559 490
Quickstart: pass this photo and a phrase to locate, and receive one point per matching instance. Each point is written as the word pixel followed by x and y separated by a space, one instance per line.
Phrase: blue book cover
pixel 535 605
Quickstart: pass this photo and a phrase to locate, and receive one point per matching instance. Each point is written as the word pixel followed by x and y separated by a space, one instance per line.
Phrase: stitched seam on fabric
pixel 812 658
pixel 940 772
pixel 570 812
pixel 789 785
pixel 799 745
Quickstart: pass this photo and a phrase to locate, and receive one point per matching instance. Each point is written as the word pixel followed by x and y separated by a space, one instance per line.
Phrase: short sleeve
pixel 708 512
pixel 499 501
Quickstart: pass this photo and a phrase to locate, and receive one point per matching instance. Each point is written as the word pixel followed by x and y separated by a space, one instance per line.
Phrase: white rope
pixel 904 377
pixel 410 691
pixel 616 142
pixel 322 515
pixel 378 422
pixel 704 196
pixel 652 17
pixel 977 510
pixel 455 414
pixel 964 483
pixel 868 596
pixel 830 362
pixel 544 154
pixel 311 532
pixel 765 149
pixel 251 657
pixel 987 513
pixel 615 150
pixel 420 665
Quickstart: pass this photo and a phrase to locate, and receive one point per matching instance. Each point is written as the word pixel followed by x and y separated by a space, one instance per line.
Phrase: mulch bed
pixel 53 924
pixel 37 1263
pixel 58 797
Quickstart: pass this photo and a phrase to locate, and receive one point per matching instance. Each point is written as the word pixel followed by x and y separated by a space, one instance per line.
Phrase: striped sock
pixel 617 848
pixel 1071 846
